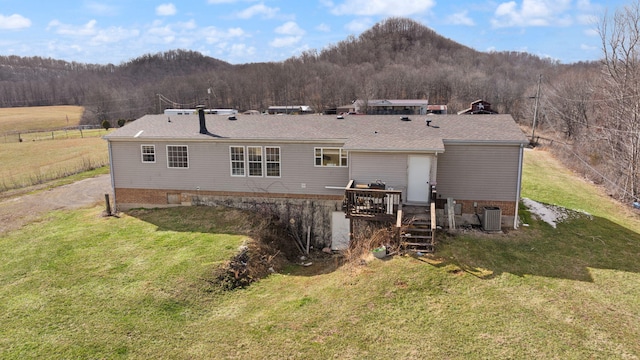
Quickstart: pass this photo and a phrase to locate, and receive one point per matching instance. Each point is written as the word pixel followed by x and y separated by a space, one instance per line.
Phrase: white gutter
pixel 113 182
pixel 519 186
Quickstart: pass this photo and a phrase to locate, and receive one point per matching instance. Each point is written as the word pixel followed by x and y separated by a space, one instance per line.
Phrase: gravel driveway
pixel 18 211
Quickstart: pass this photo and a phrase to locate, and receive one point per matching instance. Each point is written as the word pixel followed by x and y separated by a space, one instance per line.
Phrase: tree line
pixel 590 109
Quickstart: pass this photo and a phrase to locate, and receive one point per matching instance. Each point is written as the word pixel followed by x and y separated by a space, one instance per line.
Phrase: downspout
pixel 519 186
pixel 111 174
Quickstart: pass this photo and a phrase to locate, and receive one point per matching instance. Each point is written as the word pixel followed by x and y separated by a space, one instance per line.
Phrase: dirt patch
pixel 18 211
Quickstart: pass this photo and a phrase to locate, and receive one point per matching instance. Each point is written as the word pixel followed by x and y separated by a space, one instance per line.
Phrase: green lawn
pixel 77 285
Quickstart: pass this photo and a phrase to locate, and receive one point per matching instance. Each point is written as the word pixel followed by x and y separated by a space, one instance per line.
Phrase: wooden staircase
pixel 417 229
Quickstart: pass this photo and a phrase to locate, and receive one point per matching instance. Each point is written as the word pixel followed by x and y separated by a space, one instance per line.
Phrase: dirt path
pixel 18 211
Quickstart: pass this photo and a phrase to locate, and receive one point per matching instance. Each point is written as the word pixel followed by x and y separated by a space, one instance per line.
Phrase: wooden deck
pixel 372 204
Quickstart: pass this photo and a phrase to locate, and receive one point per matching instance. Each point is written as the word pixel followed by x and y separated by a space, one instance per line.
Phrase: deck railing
pixel 376 204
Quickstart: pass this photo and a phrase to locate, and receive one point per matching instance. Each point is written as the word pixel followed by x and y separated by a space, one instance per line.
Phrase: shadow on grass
pixel 205 219
pixel 198 219
pixel 567 251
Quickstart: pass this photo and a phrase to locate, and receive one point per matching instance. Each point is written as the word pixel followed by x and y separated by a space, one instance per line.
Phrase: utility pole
pixel 535 112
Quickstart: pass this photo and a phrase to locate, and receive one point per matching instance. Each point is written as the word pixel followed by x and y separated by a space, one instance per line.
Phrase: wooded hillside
pixel 395 59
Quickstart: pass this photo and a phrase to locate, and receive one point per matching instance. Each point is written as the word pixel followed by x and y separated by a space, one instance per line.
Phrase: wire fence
pixel 78 132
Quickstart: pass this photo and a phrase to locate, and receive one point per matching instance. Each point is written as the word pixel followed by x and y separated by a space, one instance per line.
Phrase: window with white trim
pixel 148 153
pixel 331 157
pixel 177 156
pixel 272 161
pixel 254 160
pixel 236 154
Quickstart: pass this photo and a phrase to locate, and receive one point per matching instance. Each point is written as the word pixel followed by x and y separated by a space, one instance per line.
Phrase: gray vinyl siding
pixel 478 172
pixel 389 168
pixel 209 169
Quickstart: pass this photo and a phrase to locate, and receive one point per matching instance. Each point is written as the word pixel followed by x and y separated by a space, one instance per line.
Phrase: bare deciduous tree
pixel 620 36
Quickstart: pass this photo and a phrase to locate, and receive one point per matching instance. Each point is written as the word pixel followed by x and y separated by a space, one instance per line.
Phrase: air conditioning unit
pixel 492 218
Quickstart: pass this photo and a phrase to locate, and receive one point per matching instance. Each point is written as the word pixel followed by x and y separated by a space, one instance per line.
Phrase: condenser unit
pixel 492 218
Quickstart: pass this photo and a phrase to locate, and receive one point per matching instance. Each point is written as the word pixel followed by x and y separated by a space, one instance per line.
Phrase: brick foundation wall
pixel 127 198
pixel 508 207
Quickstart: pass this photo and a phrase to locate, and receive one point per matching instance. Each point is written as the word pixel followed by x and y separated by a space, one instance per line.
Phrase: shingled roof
pixel 357 132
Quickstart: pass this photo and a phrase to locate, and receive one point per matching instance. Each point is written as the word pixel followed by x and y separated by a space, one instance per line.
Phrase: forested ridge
pixel 395 59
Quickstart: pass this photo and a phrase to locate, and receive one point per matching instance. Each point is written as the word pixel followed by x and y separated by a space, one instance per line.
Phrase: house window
pixel 237 160
pixel 330 157
pixel 177 156
pixel 148 153
pixel 272 161
pixel 254 159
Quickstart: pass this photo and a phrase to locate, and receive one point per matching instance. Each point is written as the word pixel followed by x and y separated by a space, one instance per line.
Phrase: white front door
pixel 418 179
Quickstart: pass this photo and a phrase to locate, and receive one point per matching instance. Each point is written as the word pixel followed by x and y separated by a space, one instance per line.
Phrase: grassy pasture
pixel 31 163
pixel 39 118
pixel 77 285
pixel 34 162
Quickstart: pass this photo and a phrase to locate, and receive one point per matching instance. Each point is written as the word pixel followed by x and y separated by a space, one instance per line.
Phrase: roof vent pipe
pixel 428 122
pixel 203 125
pixel 405 118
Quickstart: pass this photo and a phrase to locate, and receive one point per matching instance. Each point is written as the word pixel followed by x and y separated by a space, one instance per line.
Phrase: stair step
pixel 417 230
pixel 419 223
pixel 416 244
pixel 411 236
pixel 423 247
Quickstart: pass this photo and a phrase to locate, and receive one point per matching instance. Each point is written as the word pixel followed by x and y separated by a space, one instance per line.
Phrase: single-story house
pixel 303 166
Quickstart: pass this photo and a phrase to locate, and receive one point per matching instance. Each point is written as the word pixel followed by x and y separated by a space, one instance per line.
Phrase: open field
pixel 77 285
pixel 39 118
pixel 30 163
pixel 33 162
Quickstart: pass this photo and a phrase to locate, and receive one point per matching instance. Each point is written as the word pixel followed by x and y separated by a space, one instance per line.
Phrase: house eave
pixel 485 142
pixel 397 151
pixel 227 140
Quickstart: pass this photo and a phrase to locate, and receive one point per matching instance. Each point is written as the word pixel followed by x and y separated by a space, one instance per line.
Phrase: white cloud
pixel 189 25
pixel 289 28
pixel 88 29
pixel 591 32
pixel 461 18
pixel 259 9
pixel 212 35
pixel 285 41
pixel 381 7
pixel 359 25
pixel 241 50
pixel 112 35
pixel 532 13
pixel 166 10
pixel 588 47
pixel 323 27
pixel 587 19
pixel 100 8
pixel 14 22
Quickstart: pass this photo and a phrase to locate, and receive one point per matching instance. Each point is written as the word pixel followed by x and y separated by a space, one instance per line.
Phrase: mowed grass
pixel 77 285
pixel 39 118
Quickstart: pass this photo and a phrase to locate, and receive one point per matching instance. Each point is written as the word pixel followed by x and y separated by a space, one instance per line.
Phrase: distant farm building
pixel 290 109
pixel 478 107
pixel 392 107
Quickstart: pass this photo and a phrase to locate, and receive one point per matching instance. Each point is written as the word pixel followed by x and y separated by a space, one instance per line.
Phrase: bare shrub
pixel 368 236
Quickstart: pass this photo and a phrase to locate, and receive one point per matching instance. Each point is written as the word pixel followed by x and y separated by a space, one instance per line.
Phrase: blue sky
pixel 246 31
